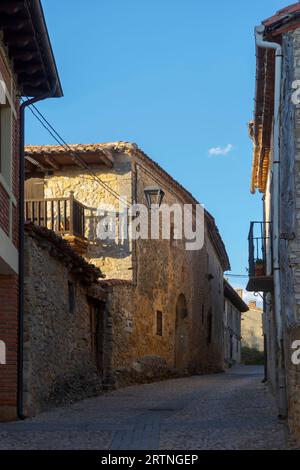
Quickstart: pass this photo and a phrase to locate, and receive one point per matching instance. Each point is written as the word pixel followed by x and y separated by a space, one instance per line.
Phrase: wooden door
pixel 181 333
pixel 97 334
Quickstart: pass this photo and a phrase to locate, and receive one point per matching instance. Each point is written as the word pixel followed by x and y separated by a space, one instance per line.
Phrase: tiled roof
pixel 115 282
pixel 231 294
pixel 285 20
pixel 57 149
pixel 88 272
pixel 131 149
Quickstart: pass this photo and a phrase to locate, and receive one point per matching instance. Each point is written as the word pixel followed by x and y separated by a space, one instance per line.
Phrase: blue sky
pixel 174 76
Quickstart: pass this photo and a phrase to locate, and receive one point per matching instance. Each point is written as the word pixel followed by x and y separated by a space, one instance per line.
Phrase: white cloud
pixel 221 150
pixel 248 297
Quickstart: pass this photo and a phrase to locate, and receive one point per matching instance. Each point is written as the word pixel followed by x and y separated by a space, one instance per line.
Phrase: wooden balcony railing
pixel 65 216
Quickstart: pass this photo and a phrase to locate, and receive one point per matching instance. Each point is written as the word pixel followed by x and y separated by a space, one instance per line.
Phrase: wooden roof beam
pixel 37 164
pixel 18 40
pixel 51 162
pixel 76 160
pixel 23 54
pixel 32 91
pixel 28 80
pixel 11 8
pixel 13 23
pixel 107 158
pixel 25 67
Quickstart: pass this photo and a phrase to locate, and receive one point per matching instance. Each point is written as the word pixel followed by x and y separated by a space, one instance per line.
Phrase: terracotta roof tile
pixel 88 271
pixel 282 14
pixel 57 149
pixel 115 282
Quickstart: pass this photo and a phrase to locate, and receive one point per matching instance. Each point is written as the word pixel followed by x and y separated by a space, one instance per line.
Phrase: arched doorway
pixel 181 333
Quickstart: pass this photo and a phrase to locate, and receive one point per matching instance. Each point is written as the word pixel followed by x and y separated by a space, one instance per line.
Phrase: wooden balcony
pixel 65 216
pixel 260 243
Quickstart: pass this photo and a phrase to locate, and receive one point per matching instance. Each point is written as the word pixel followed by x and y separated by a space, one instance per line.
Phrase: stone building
pixel 27 68
pixel 274 244
pixel 234 307
pixel 165 302
pixel 66 329
pixel 252 327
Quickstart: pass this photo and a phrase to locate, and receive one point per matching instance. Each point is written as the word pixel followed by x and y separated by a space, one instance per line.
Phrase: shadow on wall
pixel 252 356
pixel 116 246
pixel 254 343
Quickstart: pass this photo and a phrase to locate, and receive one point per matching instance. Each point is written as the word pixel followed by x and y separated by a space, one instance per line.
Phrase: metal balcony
pixel 260 257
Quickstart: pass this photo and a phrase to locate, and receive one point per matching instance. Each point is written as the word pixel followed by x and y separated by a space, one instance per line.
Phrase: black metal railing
pixel 260 245
pixel 65 216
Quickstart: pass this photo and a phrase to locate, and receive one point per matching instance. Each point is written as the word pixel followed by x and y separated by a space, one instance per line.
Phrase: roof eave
pixel 38 16
pixel 234 297
pixel 28 48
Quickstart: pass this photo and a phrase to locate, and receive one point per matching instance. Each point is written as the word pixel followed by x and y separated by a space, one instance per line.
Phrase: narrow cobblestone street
pixel 224 411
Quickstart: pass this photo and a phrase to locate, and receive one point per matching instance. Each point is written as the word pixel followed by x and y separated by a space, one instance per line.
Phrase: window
pixel 97 319
pixel 172 233
pixel 2 353
pixel 159 323
pixel 71 294
pixel 6 143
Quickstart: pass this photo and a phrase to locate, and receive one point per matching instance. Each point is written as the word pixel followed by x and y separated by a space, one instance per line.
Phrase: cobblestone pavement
pixel 224 411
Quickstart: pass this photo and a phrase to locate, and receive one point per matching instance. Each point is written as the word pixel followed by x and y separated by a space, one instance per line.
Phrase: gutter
pixel 260 42
pixel 20 400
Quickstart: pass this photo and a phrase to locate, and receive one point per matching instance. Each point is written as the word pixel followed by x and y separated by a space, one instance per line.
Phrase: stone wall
pixel 290 222
pixel 164 272
pixel 232 336
pixel 293 382
pixel 112 257
pixel 160 281
pixel 59 365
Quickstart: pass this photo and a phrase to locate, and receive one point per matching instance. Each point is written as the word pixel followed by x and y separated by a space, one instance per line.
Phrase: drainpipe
pixel 260 42
pixel 23 106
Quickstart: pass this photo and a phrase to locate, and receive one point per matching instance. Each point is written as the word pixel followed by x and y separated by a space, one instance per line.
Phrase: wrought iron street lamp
pixel 154 196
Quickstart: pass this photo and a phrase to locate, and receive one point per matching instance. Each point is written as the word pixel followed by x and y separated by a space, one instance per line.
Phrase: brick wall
pixel 9 334
pixel 15 177
pixel 4 210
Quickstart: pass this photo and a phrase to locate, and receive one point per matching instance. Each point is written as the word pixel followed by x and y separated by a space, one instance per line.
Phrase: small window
pixel 6 142
pixel 209 327
pixel 71 293
pixel 159 323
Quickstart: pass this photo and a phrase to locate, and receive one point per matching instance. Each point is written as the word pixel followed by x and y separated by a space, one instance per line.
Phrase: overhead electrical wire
pixel 237 275
pixel 61 142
